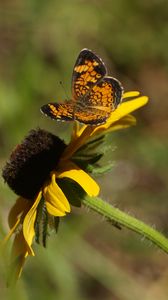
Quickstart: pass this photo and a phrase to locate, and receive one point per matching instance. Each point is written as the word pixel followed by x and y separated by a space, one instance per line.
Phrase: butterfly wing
pixel 102 99
pixel 95 95
pixel 59 111
pixel 89 69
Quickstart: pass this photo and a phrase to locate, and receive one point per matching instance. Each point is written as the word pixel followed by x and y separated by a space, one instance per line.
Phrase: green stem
pixel 119 217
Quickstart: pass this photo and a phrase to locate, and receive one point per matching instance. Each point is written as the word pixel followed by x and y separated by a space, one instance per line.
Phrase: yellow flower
pixel 23 215
pixel 35 168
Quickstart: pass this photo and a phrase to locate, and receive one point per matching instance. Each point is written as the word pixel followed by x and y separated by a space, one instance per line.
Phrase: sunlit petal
pixel 28 224
pixel 81 129
pixel 75 130
pixel 130 94
pixel 124 122
pixel 53 210
pixel 56 202
pixel 73 172
pixel 123 110
pixel 126 108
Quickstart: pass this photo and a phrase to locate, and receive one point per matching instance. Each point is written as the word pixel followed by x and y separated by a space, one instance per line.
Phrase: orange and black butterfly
pixel 94 94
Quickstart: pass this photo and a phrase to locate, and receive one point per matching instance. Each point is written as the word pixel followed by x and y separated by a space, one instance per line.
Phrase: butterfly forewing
pixel 88 70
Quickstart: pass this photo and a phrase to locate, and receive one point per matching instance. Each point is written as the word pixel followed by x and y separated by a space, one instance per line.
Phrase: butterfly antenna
pixel 61 83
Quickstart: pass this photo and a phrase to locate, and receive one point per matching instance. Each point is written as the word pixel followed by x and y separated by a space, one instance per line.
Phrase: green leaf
pixel 98 170
pixel 95 156
pixel 41 224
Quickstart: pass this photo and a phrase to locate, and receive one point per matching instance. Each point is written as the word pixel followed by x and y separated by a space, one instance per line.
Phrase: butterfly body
pixel 94 94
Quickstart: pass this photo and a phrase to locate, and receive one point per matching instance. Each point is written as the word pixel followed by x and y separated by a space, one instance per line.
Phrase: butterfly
pixel 94 94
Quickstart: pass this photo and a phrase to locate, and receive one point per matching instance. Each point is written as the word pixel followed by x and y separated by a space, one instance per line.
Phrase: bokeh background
pixel 39 43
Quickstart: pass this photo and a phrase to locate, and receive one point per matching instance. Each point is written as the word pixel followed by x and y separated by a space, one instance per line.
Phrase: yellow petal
pixel 76 128
pixel 54 211
pixel 20 208
pixel 56 202
pixel 130 94
pixel 73 172
pixel 15 217
pixel 28 224
pixel 123 110
pixel 125 122
pixel 126 108
pixel 81 129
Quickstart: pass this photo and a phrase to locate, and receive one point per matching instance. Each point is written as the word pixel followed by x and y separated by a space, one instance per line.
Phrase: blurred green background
pixel 39 43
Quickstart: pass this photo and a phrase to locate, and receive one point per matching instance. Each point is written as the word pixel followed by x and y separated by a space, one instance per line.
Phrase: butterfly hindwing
pixel 92 116
pixel 105 95
pixel 102 99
